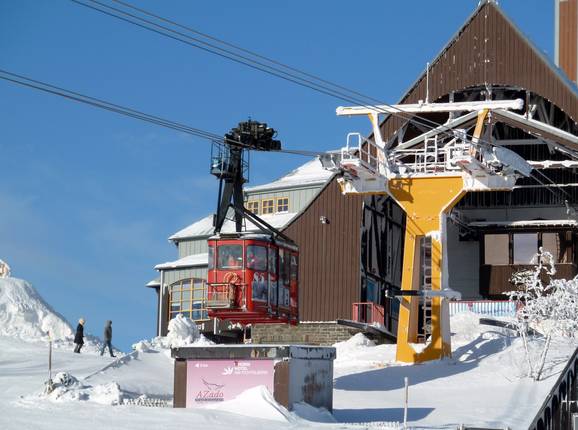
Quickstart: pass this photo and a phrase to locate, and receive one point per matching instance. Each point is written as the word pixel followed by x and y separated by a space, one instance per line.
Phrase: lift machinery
pixel 252 272
pixel 427 176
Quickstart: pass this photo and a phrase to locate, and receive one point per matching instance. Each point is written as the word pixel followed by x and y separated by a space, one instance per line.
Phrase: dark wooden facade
pixel 328 235
pixel 489 49
pixel 567 37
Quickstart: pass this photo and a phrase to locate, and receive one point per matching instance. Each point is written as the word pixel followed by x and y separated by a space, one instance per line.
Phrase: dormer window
pixel 253 206
pixel 283 204
pixel 268 206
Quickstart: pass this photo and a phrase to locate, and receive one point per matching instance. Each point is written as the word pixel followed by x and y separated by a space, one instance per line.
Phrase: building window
pixel 253 206
pixel 557 244
pixel 496 249
pixel 283 204
pixel 188 297
pixel 267 206
pixel 525 246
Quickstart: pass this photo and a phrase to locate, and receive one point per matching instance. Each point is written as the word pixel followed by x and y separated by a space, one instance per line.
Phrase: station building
pixel 351 246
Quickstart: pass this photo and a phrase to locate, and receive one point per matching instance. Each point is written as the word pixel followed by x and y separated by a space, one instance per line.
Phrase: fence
pixel 368 312
pixel 490 308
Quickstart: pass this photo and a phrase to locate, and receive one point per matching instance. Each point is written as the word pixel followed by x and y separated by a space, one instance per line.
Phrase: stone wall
pixel 306 333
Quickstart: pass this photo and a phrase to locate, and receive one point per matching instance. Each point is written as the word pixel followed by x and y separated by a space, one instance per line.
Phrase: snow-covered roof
pixel 309 174
pixel 528 223
pixel 188 261
pixel 154 283
pixel 204 227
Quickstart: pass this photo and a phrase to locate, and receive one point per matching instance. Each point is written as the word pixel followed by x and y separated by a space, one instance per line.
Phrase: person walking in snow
pixel 79 336
pixel 107 338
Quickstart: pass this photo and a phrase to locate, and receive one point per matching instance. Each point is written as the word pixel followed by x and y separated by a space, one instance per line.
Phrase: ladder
pixel 426 285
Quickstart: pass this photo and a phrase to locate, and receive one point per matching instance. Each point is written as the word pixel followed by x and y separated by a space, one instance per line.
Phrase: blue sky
pixel 88 198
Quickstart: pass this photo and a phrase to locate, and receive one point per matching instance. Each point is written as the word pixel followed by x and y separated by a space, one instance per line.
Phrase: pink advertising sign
pixel 219 380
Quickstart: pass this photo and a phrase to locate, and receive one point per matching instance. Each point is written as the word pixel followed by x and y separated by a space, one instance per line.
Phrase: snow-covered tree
pixel 547 306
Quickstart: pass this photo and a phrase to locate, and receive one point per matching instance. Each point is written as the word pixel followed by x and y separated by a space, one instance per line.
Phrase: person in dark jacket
pixel 79 336
pixel 107 338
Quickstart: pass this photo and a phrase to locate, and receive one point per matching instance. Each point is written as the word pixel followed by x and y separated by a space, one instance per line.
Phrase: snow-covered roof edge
pixel 154 283
pixel 526 223
pixel 194 260
pixel 307 175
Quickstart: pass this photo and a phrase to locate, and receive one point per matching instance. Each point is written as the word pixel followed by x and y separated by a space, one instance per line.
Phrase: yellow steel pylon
pixel 425 201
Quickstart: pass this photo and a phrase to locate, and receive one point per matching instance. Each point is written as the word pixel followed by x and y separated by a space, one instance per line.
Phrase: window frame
pixel 220 266
pixel 253 265
pixel 565 253
pixel 191 306
pixel 286 205
pixel 256 202
pixel 272 207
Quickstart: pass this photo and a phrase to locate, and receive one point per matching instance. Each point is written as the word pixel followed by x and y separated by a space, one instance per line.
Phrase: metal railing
pixel 491 308
pixel 363 151
pixel 368 312
pixel 223 296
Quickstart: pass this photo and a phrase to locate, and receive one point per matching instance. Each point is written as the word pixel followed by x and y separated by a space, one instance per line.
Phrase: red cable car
pixel 253 278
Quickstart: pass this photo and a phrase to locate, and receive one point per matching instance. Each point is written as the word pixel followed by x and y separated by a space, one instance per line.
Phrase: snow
pixel 485 378
pixel 4 269
pixel 309 174
pixel 526 223
pixel 188 261
pixel 483 385
pixel 204 227
pixel 25 315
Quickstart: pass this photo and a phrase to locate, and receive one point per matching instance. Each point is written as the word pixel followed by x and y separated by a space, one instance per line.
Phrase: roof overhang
pixel 525 224
pixel 196 260
pixel 537 128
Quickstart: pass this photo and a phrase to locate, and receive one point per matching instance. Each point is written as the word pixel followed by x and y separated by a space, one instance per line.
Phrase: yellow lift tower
pixel 427 176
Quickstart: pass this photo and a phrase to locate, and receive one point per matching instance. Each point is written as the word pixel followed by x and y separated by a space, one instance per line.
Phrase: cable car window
pixel 211 257
pixel 257 257
pixel 230 257
pixel 294 267
pixel 284 266
pixel 273 261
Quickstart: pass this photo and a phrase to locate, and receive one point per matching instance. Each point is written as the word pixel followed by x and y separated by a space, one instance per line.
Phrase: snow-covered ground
pixel 482 385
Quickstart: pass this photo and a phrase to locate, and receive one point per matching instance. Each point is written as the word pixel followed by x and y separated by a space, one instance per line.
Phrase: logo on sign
pixel 213 392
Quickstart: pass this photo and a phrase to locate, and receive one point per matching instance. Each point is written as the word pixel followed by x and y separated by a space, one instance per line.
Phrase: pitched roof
pixel 309 174
pixel 489 48
pixel 204 227
pixel 188 261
